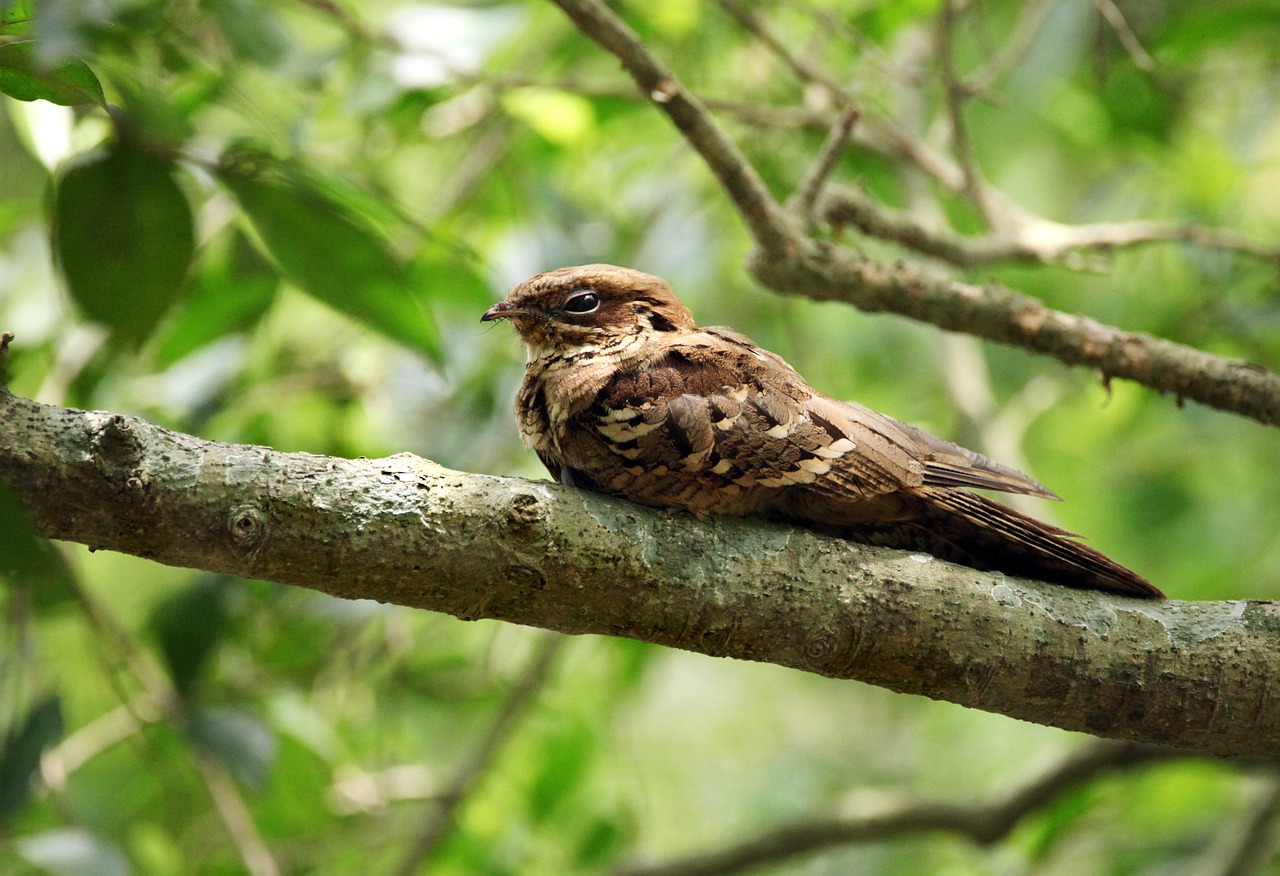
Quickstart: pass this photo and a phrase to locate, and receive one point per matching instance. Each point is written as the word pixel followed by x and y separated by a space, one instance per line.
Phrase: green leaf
pixel 20 758
pixel 237 740
pixel 68 82
pixel 28 560
pixel 251 29
pixel 16 17
pixel 233 289
pixel 565 758
pixel 189 626
pixel 330 255
pixel 124 237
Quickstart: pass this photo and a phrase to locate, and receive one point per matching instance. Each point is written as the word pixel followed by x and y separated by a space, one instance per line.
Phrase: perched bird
pixel 625 395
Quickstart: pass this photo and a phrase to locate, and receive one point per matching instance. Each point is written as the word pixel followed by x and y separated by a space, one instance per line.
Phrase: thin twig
pixel 1036 241
pixel 955 95
pixel 227 801
pixel 884 63
pixel 1006 59
pixel 86 743
pixel 1253 844
pixel 764 218
pixel 805 71
pixel 983 823
pixel 1027 238
pixel 1125 34
pixel 446 805
pixel 236 818
pixel 811 187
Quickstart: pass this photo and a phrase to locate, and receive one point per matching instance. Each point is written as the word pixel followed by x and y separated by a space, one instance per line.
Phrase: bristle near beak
pixel 501 310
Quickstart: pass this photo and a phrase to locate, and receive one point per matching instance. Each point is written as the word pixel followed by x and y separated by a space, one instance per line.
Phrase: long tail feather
pixel 970 529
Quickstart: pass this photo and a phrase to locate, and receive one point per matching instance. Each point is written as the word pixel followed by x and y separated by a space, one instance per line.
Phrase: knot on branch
pixel 526 511
pixel 830 646
pixel 115 446
pixel 247 527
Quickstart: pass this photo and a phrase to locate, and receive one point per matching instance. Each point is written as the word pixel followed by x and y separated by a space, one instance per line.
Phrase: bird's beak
pixel 501 310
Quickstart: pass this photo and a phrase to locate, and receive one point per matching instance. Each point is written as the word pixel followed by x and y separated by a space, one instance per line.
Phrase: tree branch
pixel 997 313
pixel 768 224
pixel 437 825
pixel 983 823
pixel 407 531
pixel 1040 240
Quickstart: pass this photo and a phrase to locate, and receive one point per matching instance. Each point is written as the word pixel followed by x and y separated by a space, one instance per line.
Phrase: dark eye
pixel 584 303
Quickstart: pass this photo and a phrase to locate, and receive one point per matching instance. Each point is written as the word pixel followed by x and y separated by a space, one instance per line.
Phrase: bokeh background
pixel 355 182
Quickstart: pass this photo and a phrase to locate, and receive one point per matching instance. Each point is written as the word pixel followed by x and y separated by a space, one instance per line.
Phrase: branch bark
pixel 407 531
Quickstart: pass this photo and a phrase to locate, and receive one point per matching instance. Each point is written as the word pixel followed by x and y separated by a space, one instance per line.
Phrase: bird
pixel 625 395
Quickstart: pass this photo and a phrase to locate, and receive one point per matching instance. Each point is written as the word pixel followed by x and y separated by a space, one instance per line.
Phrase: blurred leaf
pixel 600 843
pixel 28 560
pixel 335 258
pixel 232 290
pixel 451 276
pixel 69 82
pixel 189 627
pixel 252 29
pixel 124 237
pixel 155 119
pixel 1198 28
pixel 20 759
pixel 237 740
pixel 561 117
pixel 16 16
pixel 566 756
pixel 72 852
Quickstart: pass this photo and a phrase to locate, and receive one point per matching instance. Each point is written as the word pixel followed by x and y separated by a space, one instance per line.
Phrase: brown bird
pixel 625 395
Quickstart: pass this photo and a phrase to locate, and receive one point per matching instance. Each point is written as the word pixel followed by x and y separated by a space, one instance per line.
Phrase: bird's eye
pixel 583 303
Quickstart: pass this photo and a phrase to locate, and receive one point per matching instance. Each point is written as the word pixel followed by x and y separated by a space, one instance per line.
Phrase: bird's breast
pixel 558 387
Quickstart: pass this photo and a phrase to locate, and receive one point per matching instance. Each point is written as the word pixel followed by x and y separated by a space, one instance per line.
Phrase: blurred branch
pixel 811 187
pixel 1013 50
pixel 1114 17
pixel 768 224
pixel 97 736
pixel 983 823
pixel 754 24
pixel 437 826
pixel 955 95
pixel 406 531
pixel 1074 246
pixel 161 699
pixel 790 262
pixel 1252 846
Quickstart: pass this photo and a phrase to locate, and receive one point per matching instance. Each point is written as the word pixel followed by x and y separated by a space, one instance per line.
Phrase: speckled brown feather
pixel 630 398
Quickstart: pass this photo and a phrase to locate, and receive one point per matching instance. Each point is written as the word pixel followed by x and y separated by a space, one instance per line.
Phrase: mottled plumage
pixel 625 395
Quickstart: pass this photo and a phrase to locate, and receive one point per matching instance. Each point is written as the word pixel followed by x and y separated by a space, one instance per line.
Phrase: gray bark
pixel 407 531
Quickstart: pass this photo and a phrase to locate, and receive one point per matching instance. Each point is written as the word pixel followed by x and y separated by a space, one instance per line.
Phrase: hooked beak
pixel 501 310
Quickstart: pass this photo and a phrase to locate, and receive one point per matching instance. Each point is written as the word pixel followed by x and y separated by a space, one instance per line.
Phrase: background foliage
pixel 279 224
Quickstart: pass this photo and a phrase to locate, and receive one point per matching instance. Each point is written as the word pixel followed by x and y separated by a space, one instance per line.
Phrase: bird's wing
pixel 716 411
pixel 720 410
pixel 950 465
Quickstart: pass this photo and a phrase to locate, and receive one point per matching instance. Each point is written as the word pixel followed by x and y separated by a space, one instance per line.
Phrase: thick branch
pixel 404 530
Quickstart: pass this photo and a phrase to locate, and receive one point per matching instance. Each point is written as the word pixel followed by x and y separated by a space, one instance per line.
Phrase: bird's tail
pixel 973 530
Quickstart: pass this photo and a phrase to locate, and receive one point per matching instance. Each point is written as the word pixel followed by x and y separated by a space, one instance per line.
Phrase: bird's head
pixel 590 306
